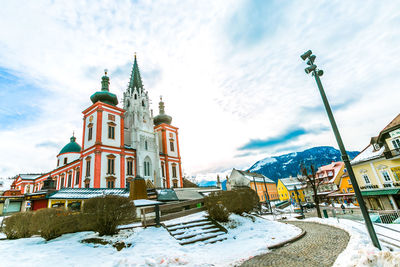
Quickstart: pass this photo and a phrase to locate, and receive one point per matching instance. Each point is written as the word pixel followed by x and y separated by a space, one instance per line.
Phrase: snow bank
pixel 150 247
pixel 360 252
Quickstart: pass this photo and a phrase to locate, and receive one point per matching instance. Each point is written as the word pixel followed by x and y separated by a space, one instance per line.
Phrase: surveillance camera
pixel 311 60
pixel 306 55
pixel 310 69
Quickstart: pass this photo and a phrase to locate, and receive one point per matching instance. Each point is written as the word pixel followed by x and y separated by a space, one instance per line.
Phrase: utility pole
pixel 312 68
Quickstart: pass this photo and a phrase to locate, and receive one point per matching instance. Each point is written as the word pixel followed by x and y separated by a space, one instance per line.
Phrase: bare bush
pixel 18 225
pixel 52 223
pixel 104 214
pixel 220 204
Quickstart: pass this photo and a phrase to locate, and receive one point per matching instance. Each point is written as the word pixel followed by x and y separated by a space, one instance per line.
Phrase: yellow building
pixel 345 194
pixel 286 189
pixel 377 169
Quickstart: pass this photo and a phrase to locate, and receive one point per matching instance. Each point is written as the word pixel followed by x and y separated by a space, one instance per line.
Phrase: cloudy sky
pixel 229 72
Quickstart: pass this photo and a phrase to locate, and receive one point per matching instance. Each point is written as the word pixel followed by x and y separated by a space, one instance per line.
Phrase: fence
pixel 387 216
pixel 170 211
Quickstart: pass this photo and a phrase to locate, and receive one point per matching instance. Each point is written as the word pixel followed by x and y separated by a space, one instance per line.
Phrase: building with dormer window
pixel 377 169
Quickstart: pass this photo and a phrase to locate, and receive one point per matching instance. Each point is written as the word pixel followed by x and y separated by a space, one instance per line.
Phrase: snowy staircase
pixel 201 230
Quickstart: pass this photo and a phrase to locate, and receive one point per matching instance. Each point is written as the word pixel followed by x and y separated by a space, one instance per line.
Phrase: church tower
pixel 103 153
pixel 139 129
pixel 170 156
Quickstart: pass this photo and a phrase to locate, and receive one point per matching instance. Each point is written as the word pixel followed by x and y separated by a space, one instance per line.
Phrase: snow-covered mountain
pixel 289 164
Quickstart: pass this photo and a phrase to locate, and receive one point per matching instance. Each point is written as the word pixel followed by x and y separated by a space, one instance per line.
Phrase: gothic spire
pixel 135 81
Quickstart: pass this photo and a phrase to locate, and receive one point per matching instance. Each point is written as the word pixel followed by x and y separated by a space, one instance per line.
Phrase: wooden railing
pixel 170 211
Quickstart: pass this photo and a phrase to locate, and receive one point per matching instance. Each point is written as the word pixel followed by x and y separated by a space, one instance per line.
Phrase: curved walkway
pixel 319 247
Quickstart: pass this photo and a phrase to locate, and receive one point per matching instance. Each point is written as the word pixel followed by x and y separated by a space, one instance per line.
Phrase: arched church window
pixel 146 145
pixel 142 103
pixel 147 166
pixel 135 96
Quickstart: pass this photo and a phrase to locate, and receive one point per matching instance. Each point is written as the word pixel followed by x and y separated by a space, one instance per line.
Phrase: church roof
pixel 71 147
pixel 135 81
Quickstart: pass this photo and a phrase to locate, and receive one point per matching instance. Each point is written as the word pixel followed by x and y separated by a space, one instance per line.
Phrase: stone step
pixel 202 227
pixel 182 237
pixel 183 223
pixel 201 238
pixel 196 224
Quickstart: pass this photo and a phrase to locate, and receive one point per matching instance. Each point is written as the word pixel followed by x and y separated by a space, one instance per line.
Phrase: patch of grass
pixel 119 245
pixel 96 241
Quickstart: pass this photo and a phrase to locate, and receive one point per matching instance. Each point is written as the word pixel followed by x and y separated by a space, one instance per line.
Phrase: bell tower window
pixel 129 164
pixel 110 164
pixel 174 171
pixel 87 167
pixel 90 131
pixel 111 132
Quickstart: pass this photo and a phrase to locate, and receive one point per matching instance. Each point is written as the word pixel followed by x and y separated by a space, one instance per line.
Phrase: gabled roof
pixel 394 124
pixel 259 178
pixel 290 182
pixel 367 154
pixel 85 193
pixel 30 176
pixel 187 193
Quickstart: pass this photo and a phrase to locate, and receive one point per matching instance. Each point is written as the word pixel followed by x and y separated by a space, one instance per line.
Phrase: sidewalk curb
pixel 281 244
pixel 291 240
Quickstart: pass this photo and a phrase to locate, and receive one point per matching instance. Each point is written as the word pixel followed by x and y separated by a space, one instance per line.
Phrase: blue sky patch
pixel 19 100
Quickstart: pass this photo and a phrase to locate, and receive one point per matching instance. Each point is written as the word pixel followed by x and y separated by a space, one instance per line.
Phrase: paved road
pixel 319 247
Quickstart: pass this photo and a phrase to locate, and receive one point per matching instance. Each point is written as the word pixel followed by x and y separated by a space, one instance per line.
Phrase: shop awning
pixel 380 192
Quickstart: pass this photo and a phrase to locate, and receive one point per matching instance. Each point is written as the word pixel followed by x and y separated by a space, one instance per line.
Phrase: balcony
pixel 369 187
pixel 392 153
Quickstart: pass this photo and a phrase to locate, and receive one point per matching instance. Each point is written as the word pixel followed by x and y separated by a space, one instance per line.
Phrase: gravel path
pixel 319 247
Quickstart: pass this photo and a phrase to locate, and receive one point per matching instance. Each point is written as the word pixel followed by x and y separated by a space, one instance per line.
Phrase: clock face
pixel 91 118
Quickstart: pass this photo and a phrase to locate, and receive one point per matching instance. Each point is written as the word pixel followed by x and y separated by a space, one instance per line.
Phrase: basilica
pixel 117 145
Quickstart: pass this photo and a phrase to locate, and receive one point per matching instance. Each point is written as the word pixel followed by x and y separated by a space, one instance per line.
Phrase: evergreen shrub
pixel 104 214
pixel 18 225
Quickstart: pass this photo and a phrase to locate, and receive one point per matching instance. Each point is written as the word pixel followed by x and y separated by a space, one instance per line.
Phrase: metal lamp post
pixel 298 200
pixel 312 68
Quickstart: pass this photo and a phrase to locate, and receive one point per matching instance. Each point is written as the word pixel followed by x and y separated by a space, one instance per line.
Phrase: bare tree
pixel 312 183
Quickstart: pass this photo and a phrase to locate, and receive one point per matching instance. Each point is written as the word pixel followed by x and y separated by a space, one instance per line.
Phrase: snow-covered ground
pixel 360 251
pixel 150 247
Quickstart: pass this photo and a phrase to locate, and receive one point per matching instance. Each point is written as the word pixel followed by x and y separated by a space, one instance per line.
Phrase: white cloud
pixel 220 92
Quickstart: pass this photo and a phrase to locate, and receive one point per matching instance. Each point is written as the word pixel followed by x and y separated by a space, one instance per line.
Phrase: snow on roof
pixel 29 176
pixel 85 193
pixel 290 182
pixel 259 178
pixel 368 154
pixel 187 193
pixel 145 202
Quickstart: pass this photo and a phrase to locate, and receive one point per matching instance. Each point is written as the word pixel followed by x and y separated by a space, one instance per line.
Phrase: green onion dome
pixel 104 95
pixel 71 147
pixel 162 117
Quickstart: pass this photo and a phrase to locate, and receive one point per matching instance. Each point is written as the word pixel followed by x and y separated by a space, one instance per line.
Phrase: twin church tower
pixel 119 144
